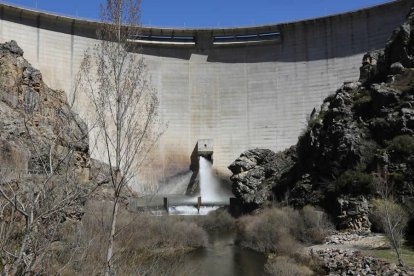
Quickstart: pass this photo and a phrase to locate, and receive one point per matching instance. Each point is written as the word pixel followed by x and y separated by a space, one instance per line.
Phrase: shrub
pixel 355 183
pixel 146 245
pixel 317 226
pixel 282 230
pixel 403 145
pixel 219 220
pixel 361 97
pixel 270 231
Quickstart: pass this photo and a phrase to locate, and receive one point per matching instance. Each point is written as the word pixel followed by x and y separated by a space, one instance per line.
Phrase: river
pixel 223 257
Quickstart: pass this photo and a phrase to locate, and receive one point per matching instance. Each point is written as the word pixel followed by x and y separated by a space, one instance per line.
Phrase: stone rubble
pixel 350 262
pixel 343 238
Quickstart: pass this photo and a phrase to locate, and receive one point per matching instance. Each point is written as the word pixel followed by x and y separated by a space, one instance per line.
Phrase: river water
pixel 223 257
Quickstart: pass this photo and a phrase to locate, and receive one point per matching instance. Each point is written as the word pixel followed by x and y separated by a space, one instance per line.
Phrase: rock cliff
pixel 39 132
pixel 361 135
pixel 37 126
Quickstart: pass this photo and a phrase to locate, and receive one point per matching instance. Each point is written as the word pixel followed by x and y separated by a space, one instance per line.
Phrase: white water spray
pixel 210 188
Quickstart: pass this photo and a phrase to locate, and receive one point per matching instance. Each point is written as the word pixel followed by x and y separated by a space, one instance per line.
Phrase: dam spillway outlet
pixel 205 149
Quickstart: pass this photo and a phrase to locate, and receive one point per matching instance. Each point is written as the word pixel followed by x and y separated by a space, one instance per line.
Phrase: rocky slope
pixel 361 135
pixel 39 132
pixel 37 126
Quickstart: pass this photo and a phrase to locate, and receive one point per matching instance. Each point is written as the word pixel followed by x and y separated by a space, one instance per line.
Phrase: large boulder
pixel 255 172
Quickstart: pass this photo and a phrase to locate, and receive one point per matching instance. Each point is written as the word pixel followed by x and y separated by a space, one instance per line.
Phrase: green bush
pixel 355 183
pixel 403 144
pixel 361 97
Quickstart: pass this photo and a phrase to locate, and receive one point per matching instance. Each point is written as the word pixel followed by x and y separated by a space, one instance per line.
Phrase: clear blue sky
pixel 209 13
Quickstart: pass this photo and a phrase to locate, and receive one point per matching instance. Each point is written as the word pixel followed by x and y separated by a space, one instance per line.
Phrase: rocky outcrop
pixel 353 214
pixel 362 132
pixel 44 164
pixel 255 171
pixel 360 135
pixel 38 129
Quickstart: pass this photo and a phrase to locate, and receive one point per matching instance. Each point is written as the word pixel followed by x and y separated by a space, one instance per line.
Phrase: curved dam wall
pixel 241 90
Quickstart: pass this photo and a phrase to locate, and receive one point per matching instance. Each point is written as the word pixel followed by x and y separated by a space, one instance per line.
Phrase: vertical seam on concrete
pixel 72 42
pixel 217 118
pixel 1 23
pixel 163 115
pixel 38 38
pixel 190 105
pixel 329 51
pixel 246 81
pixel 275 145
pixel 353 34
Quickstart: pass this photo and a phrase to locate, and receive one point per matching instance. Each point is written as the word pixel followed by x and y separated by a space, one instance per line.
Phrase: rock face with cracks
pixel 254 172
pixel 37 125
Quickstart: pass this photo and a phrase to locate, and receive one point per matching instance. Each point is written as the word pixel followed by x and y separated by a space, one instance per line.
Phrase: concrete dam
pixel 239 88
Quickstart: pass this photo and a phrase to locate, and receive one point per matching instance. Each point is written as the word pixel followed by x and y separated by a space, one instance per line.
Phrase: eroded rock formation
pixel 255 171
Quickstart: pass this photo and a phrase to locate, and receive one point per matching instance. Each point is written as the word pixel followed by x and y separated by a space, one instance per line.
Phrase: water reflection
pixel 223 257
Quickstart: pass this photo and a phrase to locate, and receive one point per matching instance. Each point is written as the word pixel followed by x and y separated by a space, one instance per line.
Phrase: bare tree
pixel 40 183
pixel 393 219
pixel 388 214
pixel 33 204
pixel 125 105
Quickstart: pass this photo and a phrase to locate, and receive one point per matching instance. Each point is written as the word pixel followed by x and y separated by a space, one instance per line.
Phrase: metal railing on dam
pixel 244 96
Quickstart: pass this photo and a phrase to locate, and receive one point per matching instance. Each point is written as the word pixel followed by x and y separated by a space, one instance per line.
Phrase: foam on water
pixel 190 210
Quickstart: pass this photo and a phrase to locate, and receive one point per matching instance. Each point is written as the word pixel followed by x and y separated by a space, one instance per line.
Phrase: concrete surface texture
pixel 238 88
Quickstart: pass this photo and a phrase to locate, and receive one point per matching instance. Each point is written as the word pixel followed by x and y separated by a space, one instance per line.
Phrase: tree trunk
pixel 400 260
pixel 5 271
pixel 109 254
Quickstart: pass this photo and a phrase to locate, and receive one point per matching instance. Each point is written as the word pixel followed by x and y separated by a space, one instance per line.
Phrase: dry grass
pixel 285 266
pixel 144 245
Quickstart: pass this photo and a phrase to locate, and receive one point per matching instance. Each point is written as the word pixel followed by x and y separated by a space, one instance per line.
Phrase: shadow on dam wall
pixel 322 38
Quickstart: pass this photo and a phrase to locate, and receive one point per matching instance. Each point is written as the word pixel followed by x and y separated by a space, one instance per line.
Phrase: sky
pixel 208 13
